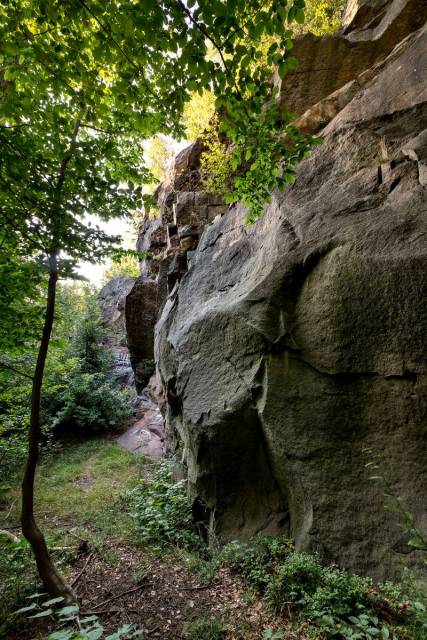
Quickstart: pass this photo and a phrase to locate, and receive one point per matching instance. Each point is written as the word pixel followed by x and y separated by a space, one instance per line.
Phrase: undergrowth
pixel 333 602
pixel 206 628
pixel 160 508
pixel 336 603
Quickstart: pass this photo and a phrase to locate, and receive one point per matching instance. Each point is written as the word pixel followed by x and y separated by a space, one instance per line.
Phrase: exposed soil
pixel 161 597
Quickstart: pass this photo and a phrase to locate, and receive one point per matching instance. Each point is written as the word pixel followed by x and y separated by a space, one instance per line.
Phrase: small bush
pixel 257 561
pixel 162 512
pixel 89 404
pixel 205 628
pixel 297 578
pixel 335 603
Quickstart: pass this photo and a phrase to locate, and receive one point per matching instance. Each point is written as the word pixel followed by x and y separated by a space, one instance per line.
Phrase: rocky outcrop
pixel 168 241
pixel 111 300
pixel 293 344
pixel 141 311
pixel 325 64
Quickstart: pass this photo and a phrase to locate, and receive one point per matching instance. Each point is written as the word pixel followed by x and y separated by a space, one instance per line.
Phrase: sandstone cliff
pixel 286 347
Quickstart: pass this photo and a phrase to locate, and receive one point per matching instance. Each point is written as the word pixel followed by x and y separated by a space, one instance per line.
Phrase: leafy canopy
pixel 84 83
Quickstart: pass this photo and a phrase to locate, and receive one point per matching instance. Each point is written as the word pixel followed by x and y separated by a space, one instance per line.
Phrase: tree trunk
pixel 52 580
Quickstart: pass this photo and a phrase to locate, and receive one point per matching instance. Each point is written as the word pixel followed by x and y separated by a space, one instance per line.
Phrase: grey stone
pixel 141 309
pixel 294 343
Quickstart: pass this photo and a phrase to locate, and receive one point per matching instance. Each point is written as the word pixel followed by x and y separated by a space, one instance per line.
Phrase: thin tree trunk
pixel 53 581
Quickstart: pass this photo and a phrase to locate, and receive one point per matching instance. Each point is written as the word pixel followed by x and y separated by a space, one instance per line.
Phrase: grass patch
pixel 77 496
pixel 83 482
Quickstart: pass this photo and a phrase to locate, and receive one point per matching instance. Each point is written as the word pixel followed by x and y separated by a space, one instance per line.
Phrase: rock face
pixel 112 299
pixel 169 241
pixel 141 314
pixel 292 344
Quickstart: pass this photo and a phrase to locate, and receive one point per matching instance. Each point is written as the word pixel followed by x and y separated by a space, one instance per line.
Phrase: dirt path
pixel 161 596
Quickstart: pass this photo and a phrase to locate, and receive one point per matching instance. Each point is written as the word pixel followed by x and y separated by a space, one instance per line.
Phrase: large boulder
pixel 141 310
pixel 293 344
pixel 111 299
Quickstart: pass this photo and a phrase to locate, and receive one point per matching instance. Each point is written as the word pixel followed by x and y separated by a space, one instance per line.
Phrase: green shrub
pixel 18 578
pixel 336 603
pixel 88 404
pixel 256 561
pixel 205 628
pixel 162 512
pixel 297 578
pixel 339 593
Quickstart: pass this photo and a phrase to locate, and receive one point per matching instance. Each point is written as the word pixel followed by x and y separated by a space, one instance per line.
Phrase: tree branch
pixel 122 51
pixel 205 33
pixel 21 373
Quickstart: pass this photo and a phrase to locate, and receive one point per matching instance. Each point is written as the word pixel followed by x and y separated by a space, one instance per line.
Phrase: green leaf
pixel 25 609
pixel 42 614
pixel 53 601
pixel 283 69
pixel 300 16
pixel 70 609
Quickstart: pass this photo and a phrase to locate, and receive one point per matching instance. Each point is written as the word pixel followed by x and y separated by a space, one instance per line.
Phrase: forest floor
pixel 95 542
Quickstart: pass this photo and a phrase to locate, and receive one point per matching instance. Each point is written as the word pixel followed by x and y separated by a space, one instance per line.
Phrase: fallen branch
pixel 148 632
pixel 199 588
pixel 10 509
pixel 124 593
pixel 77 578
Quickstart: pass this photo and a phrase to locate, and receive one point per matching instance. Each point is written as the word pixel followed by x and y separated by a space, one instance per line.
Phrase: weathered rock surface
pixel 168 240
pixel 141 310
pixel 325 64
pixel 146 436
pixel 291 345
pixel 112 299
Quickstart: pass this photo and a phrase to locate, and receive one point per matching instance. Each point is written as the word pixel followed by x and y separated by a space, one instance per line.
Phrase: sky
pixel 120 227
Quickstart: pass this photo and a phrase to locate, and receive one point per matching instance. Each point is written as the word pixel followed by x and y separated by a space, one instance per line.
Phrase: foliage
pixel 78 395
pixel 161 510
pixel 84 400
pixel 215 161
pixel 256 561
pixel 89 404
pixel 70 625
pixel 198 112
pixel 336 603
pixel 77 101
pixel 158 154
pixel 86 343
pixel 17 578
pixel 20 298
pixel 417 539
pixel 208 628
pixel 321 17
pixel 126 266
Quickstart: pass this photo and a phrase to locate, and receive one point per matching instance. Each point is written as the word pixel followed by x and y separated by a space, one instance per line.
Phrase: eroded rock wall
pixel 112 300
pixel 292 344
